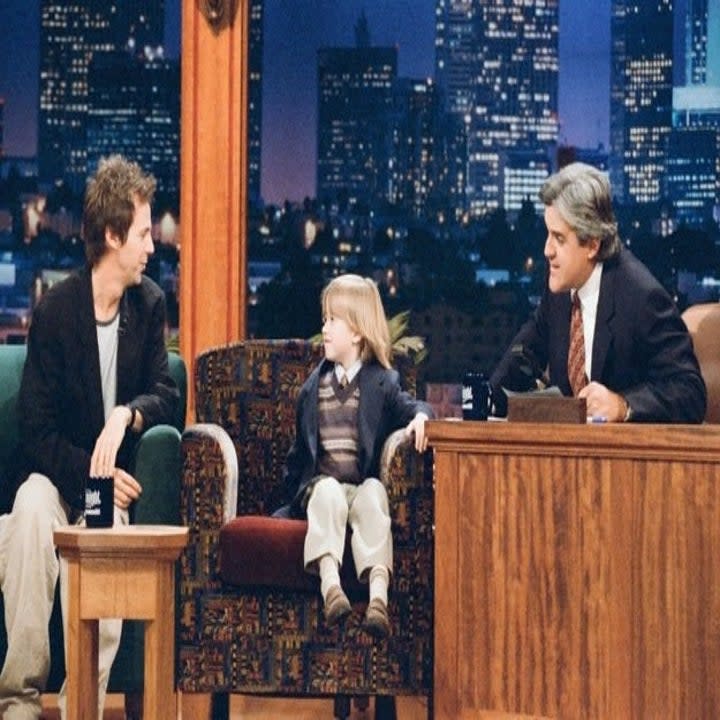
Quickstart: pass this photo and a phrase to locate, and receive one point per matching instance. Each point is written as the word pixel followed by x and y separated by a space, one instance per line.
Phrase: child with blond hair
pixel 346 409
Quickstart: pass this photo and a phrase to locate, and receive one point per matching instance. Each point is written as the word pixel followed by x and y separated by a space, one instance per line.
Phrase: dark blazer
pixel 60 403
pixel 641 349
pixel 384 407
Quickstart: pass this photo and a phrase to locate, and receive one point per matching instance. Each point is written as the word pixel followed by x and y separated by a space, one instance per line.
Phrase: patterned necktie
pixel 576 351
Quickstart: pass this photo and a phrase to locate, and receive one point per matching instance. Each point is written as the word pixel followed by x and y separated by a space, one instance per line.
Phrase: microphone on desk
pixel 528 365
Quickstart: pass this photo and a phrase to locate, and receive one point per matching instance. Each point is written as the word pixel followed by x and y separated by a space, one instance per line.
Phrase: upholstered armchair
pixel 703 323
pixel 251 620
pixel 157 467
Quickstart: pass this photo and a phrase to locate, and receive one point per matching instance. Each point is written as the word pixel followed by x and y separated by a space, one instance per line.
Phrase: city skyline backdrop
pixel 294 30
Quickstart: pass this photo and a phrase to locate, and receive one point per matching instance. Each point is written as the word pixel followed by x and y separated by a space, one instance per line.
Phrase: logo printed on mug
pixel 99 493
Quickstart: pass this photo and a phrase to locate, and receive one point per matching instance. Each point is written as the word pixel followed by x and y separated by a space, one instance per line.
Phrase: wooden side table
pixel 121 572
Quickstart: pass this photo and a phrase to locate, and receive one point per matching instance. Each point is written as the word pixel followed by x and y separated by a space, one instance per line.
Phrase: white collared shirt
pixel 350 373
pixel 589 295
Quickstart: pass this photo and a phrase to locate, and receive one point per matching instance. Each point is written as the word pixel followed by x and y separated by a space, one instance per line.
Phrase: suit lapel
pixel 310 414
pixel 369 414
pixel 563 328
pixel 127 349
pixel 89 359
pixel 604 321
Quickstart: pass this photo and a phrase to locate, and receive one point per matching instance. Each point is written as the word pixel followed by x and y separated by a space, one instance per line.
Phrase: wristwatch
pixel 628 411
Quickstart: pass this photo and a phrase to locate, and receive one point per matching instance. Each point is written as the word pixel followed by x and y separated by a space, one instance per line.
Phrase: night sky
pixel 294 29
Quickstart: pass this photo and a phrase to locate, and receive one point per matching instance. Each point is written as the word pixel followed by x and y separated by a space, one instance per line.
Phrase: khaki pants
pixel 29 570
pixel 332 506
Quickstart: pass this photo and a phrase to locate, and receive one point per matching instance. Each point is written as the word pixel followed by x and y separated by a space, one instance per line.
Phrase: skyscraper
pixel 497 64
pixel 524 173
pixel 72 32
pixel 2 124
pixel 137 24
pixel 641 81
pixel 456 56
pixel 255 71
pixel 355 103
pixel 415 162
pixel 702 42
pixel 693 175
pixel 134 109
pixel 455 72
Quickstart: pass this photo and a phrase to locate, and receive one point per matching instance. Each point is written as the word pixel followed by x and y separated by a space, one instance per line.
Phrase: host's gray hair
pixel 581 194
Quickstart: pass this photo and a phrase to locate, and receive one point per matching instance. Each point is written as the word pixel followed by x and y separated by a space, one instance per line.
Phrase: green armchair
pixel 157 468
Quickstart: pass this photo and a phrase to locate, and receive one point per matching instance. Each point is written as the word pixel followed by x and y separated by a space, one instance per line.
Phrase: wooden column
pixel 213 170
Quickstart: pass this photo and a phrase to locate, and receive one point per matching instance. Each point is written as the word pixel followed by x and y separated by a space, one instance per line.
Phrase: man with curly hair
pixel 95 377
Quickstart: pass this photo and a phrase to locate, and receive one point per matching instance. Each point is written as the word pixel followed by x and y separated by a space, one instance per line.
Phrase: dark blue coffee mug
pixel 476 396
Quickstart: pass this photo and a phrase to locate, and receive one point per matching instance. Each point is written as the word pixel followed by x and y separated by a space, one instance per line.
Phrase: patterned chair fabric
pixel 273 640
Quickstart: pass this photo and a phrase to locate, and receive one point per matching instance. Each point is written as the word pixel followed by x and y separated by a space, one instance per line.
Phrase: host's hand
pixel 417 426
pixel 102 462
pixel 604 403
pixel 127 488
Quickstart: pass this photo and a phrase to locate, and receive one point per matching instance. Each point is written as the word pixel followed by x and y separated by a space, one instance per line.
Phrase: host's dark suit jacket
pixel 60 404
pixel 384 407
pixel 641 348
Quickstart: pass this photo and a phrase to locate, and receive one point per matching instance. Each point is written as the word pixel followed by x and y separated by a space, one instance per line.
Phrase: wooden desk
pixel 121 572
pixel 577 570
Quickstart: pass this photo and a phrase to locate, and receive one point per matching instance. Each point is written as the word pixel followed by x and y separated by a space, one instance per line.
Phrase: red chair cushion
pixel 257 550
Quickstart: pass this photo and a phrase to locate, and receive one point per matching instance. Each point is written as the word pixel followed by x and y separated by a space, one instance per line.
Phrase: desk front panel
pixel 576 571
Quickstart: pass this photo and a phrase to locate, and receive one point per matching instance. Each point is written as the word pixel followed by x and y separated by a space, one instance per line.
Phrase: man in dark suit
pixel 96 375
pixel 632 344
